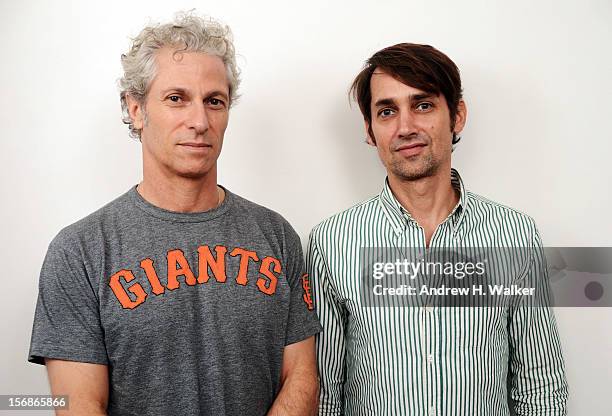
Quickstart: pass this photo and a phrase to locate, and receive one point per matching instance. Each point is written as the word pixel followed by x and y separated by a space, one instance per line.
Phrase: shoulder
pixel 350 219
pixel 267 220
pixel 492 215
pixel 251 209
pixel 87 231
pixel 479 203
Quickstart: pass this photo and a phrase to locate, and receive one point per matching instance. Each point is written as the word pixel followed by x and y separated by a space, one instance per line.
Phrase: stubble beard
pixel 422 166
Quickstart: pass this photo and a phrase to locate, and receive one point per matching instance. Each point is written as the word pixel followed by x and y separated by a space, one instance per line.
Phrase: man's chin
pixel 194 174
pixel 414 174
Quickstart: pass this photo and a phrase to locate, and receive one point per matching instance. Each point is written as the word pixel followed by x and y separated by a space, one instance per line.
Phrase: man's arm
pixel 330 344
pixel 299 382
pixel 86 386
pixel 538 384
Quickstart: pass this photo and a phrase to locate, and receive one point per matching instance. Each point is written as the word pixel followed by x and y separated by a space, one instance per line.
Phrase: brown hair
pixel 419 66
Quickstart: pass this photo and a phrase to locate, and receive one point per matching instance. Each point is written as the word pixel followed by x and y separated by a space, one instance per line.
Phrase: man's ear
pixel 460 117
pixel 136 112
pixel 369 134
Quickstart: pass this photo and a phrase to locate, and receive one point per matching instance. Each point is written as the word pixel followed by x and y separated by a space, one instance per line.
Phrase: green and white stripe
pixel 429 361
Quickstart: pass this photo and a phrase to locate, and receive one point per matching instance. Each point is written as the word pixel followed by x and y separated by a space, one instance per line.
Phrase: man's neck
pixel 428 200
pixel 180 194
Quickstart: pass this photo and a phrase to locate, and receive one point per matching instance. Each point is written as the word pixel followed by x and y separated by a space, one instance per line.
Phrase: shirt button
pixel 430 358
pixel 432 411
pixel 429 309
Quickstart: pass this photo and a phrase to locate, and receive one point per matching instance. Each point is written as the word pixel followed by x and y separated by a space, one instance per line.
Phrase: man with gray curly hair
pixel 178 297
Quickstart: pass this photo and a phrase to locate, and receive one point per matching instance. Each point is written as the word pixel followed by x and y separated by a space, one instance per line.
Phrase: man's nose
pixel 406 126
pixel 197 118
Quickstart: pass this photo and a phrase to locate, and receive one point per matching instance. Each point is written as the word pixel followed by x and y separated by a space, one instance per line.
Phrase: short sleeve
pixel 67 319
pixel 303 321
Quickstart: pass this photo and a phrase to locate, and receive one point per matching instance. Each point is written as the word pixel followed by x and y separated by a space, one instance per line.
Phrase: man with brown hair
pixel 427 359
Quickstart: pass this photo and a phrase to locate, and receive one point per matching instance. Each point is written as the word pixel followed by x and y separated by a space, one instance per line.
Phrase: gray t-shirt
pixel 190 311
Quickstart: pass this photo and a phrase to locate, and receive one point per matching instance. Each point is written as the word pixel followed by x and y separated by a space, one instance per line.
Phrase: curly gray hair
pixel 187 33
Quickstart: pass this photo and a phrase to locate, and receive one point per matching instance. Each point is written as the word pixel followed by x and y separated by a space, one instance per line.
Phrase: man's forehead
pixel 183 68
pixel 384 84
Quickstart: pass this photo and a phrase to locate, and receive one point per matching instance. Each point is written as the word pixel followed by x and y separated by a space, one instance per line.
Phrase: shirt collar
pixel 398 216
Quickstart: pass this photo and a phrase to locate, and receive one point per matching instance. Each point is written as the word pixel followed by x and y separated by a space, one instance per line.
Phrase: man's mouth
pixel 411 149
pixel 192 144
pixel 195 146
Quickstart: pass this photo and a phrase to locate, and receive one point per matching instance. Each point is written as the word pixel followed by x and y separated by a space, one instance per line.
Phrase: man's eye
pixel 215 102
pixel 424 106
pixel 385 112
pixel 175 98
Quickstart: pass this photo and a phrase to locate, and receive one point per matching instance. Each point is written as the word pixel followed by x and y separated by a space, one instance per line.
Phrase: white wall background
pixel 537 80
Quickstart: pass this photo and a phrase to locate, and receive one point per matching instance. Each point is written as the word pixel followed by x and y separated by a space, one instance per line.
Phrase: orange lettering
pixel 177 257
pixel 245 256
pixel 120 292
pixel 307 293
pixel 270 287
pixel 207 260
pixel 147 266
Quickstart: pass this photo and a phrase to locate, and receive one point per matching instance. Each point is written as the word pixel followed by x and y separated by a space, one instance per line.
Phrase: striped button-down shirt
pixel 429 361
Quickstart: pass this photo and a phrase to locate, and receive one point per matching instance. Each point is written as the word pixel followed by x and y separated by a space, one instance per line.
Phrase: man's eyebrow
pixel 416 97
pixel 183 91
pixel 384 101
pixel 177 90
pixel 424 96
pixel 218 92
